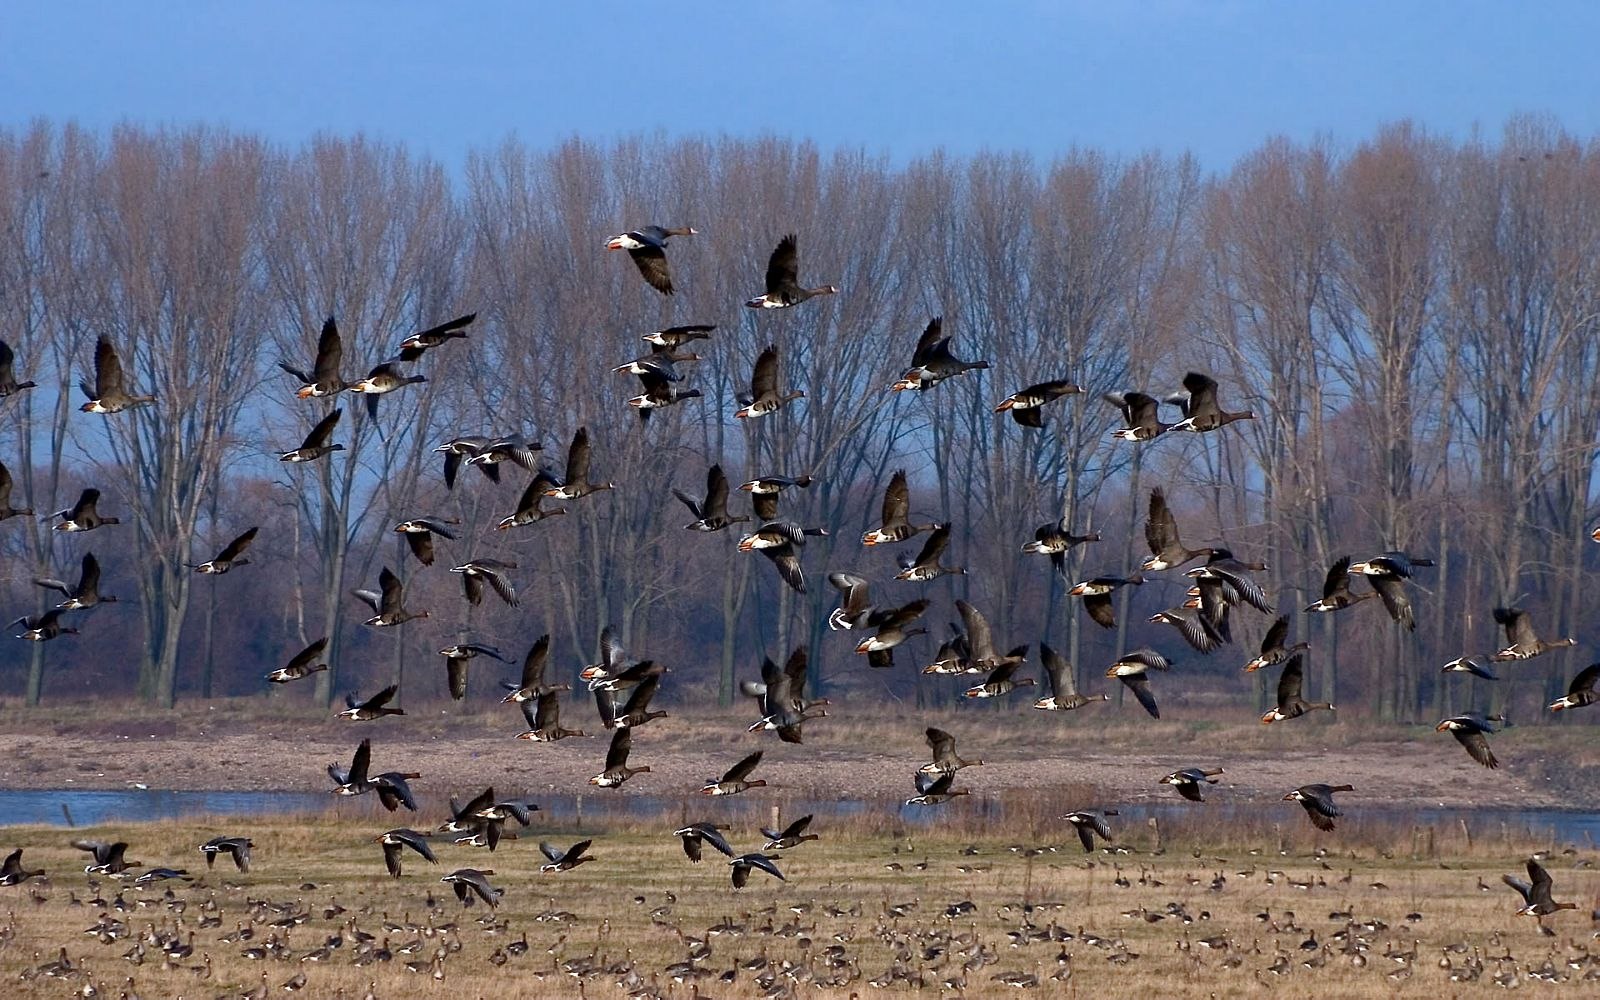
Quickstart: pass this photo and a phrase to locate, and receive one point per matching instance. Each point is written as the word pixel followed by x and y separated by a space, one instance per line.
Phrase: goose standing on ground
pixel 1469 665
pixel 576 484
pixel 419 532
pixel 1290 704
pixel 238 848
pixel 1522 643
pixel 108 858
pixel 476 572
pixel 1096 594
pixel 696 834
pixel 1536 894
pixel 1167 550
pixel 466 881
pixel 9 386
pixel 316 443
pixel 1026 405
pixel 736 779
pixel 1055 539
pixel 532 683
pixel 324 378
pixel 648 248
pixel 783 279
pixel 1581 692
pixel 711 514
pixel 765 397
pixel 544 721
pixel 890 624
pixel 394 841
pixel 945 759
pixel 896 526
pixel 107 394
pixel 414 346
pixel 1191 781
pixel 83 515
pixel 86 594
pixel 354 780
pixel 932 362
pixel 926 565
pixel 389 604
pixel 1089 825
pixel 1064 696
pixel 1318 803
pixel 12 872
pixel 1273 650
pixel 934 790
pixel 42 628
pixel 617 770
pixel 229 557
pixel 855 601
pixel 789 837
pixel 1199 404
pixel 1140 414
pixel 6 510
pixel 375 707
pixel 456 659
pixel 1472 732
pixel 1130 670
pixel 563 861
pixel 302 665
pixel 529 505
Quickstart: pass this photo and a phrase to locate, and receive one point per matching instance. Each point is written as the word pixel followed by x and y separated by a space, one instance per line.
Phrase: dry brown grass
pixel 640 897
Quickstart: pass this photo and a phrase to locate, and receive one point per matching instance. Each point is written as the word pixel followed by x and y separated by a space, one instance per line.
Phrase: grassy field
pixel 875 906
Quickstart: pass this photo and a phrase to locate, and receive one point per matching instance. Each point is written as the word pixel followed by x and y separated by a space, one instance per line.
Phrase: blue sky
pixel 899 78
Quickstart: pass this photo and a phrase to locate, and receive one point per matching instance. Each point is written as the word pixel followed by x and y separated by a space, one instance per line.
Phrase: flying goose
pixel 933 790
pixel 383 379
pixel 302 665
pixel 1581 692
pixel 466 881
pixel 576 484
pixel 324 378
pixel 1064 696
pixel 617 770
pixel 1140 414
pixel 229 557
pixel 6 510
pixel 696 834
pixel 1199 404
pixel 744 862
pixel 1089 825
pixel 1195 627
pixel 932 361
pixel 1026 404
pixel 896 526
pixel 86 594
pixel 658 391
pixel 529 509
pixel 1522 644
pixel 953 656
pixel 544 720
pixel 394 841
pixel 789 837
pixel 765 397
pixel 926 565
pixel 1472 732
pixel 980 644
pixel 1336 594
pixel 513 448
pixel 1055 539
pixel 1096 594
pixel 779 542
pixel 532 684
pixel 945 760
pixel 1130 670
pixel 108 858
pixel 736 778
pixel 1190 782
pixel 107 395
pixel 354 780
pixel 1290 704
pixel 12 872
pixel 677 336
pixel 476 572
pixel 460 450
pixel 456 658
pixel 855 601
pixel 1318 803
pixel 783 279
pixel 316 443
pixel 154 875
pixel 660 361
pixel 711 514
pixel 238 848
pixel 891 631
pixel 762 485
pixel 781 694
pixel 613 658
pixel 1391 563
pixel 1273 650
pixel 1167 550
pixel 1235 573
pixel 42 628
pixel 1536 892
pixel 1000 681
pixel 1469 665
pixel 419 532
pixel 648 248
pixel 9 386
pixel 389 604
pixel 633 675
pixel 83 515
pixel 636 710
pixel 394 791
pixel 563 861
pixel 414 346
pixel 375 707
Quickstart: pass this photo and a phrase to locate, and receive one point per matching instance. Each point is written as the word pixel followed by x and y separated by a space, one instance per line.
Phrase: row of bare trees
pixel 1413 322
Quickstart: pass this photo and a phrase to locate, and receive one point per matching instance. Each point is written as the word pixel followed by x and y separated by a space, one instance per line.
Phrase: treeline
pixel 1413 321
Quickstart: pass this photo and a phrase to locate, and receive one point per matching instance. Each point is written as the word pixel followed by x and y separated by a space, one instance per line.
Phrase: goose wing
pixel 1477 746
pixel 1059 671
pixel 639 700
pixel 896 500
pixel 741 770
pixel 783 267
pixel 978 634
pixel 578 458
pixel 1101 610
pixel 934 547
pixel 932 335
pixel 548 713
pixel 1139 684
pixel 1540 884
pixel 107 370
pixel 1290 683
pixel 236 547
pixel 534 663
pixel 941 743
pixel 1276 635
pixel 652 263
pixel 1519 628
pixel 1393 591
pixel 392 591
pixel 1585 681
pixel 764 377
pixel 1160 527
pixel 794 671
pixel 621 745
pixel 330 353
pixel 322 431
pixel 357 774
pixel 716 502
pixel 1338 578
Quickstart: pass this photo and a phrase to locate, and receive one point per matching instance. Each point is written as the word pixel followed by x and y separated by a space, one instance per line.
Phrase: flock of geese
pixel 1224 587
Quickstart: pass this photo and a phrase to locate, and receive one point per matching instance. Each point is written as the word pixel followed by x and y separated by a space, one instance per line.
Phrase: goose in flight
pixel 1064 696
pixel 1472 732
pixel 324 378
pixel 394 841
pixel 232 555
pixel 419 532
pixel 783 279
pixel 316 443
pixel 302 665
pixel 107 394
pixel 648 248
pixel 389 604
pixel 1318 803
